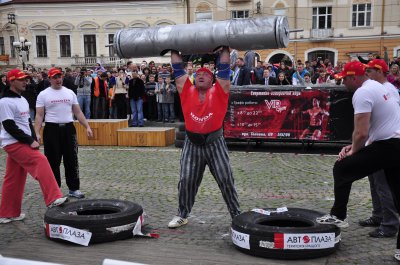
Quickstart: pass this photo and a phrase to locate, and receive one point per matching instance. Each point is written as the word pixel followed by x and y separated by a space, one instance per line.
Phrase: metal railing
pixel 112 61
pixel 321 33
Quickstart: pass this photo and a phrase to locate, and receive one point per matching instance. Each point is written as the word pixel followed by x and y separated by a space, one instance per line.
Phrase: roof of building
pixel 59 1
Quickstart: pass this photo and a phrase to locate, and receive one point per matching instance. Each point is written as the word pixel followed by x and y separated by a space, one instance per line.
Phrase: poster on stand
pixel 278 114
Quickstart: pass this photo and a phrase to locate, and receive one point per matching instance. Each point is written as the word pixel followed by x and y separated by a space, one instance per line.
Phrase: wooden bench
pixel 146 136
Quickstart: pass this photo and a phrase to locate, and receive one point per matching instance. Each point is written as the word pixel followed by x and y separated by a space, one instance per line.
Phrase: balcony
pixel 321 34
pixel 111 61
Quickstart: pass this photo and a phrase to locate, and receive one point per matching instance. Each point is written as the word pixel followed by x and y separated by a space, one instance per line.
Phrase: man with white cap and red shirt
pixel 375 143
pixel 384 213
pixel 204 106
pixel 19 140
pixel 59 135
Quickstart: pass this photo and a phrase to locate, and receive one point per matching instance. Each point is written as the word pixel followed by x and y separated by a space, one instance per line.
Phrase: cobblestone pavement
pixel 149 176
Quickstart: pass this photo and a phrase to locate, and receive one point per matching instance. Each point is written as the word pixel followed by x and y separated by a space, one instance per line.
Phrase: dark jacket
pixel 30 95
pixel 244 76
pixel 271 81
pixel 136 89
pixel 42 85
pixel 69 82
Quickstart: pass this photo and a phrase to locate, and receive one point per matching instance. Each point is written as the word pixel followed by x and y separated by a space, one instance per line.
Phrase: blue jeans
pixel 169 113
pixel 137 112
pixel 84 103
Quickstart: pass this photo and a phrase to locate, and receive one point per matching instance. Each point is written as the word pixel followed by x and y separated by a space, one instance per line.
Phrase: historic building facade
pixel 72 32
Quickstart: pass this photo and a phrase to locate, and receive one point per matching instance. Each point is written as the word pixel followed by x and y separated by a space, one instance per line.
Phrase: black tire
pixel 266 234
pixel 182 127
pixel 97 216
pixel 180 135
pixel 179 143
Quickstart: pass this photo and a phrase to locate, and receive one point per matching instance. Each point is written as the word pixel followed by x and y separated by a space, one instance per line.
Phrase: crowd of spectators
pixel 147 91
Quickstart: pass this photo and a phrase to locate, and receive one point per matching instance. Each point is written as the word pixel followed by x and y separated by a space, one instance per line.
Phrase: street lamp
pixel 22 46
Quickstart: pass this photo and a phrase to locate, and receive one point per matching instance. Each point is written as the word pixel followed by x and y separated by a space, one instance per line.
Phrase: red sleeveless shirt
pixel 207 116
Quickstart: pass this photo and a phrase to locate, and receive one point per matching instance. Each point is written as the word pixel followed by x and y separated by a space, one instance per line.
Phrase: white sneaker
pixel 57 202
pixel 332 220
pixel 397 254
pixel 5 220
pixel 177 221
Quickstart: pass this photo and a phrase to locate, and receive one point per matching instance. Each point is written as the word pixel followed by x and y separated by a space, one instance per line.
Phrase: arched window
pixel 321 54
pixel 203 12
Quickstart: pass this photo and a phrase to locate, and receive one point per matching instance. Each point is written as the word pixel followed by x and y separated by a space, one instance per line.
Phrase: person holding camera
pixel 84 82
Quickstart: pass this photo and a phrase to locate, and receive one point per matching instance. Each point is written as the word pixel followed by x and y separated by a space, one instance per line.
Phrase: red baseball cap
pixel 16 74
pixel 54 71
pixel 352 68
pixel 378 64
pixel 206 70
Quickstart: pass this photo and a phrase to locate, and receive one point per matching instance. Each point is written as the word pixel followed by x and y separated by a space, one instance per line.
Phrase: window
pixel 12 52
pixel 321 54
pixel 41 46
pixel 240 13
pixel 111 50
pixel 89 41
pixel 2 48
pixel 65 46
pixel 203 16
pixel 322 17
pixel 361 15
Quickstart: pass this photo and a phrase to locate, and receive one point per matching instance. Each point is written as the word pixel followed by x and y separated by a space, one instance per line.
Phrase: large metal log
pixel 242 34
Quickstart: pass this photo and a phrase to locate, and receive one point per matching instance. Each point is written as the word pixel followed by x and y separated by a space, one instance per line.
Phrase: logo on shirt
pixel 24 113
pixel 60 101
pixel 201 119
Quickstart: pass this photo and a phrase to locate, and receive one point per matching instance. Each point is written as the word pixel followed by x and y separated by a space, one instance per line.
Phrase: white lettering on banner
pixel 240 239
pixel 309 241
pixel 275 104
pixel 70 234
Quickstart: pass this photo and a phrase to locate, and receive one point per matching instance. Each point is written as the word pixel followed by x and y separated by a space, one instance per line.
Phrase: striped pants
pixel 194 159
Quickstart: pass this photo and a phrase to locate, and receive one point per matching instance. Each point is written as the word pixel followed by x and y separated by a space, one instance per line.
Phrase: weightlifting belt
pixel 203 139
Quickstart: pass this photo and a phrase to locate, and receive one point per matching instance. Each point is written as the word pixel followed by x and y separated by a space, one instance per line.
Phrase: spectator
pixel 394 76
pixel 136 93
pixel 158 91
pixel 298 76
pixel 168 94
pixel 120 94
pixel 3 85
pixel 99 68
pixel 267 80
pixel 99 93
pixel 259 71
pixel 282 80
pixel 241 76
pixel 69 81
pixel 151 98
pixel 30 94
pixel 307 80
pixel 84 81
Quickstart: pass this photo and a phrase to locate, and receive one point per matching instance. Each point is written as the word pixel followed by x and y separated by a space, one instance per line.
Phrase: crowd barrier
pixel 289 113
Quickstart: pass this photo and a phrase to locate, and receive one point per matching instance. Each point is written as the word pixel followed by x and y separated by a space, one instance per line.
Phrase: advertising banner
pixel 280 114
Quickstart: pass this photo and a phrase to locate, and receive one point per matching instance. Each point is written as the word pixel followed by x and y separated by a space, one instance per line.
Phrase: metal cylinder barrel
pixel 270 32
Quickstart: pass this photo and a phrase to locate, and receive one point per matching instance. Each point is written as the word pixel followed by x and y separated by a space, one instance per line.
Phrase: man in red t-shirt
pixel 204 107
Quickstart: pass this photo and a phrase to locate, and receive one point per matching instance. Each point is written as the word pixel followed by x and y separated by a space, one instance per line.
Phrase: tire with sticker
pixel 106 219
pixel 293 234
